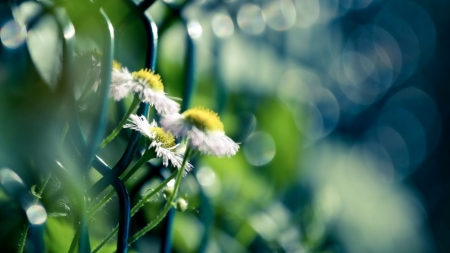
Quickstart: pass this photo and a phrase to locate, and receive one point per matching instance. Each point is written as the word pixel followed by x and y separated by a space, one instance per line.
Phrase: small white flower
pixel 151 90
pixel 203 129
pixel 163 142
pixel 146 84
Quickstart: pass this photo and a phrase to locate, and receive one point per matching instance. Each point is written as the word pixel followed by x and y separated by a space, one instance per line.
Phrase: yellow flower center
pixel 116 65
pixel 153 80
pixel 203 119
pixel 166 138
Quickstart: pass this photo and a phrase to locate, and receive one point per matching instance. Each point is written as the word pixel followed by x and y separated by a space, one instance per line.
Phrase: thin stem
pixel 167 206
pixel 63 134
pixel 135 210
pixel 149 154
pixel 142 202
pixel 116 130
pixel 75 239
pixel 41 191
pixel 23 239
pixel 78 234
pixel 106 240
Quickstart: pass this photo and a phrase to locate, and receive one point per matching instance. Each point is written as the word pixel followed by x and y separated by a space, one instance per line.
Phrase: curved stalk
pixel 135 209
pixel 116 130
pixel 149 154
pixel 167 206
pixel 23 239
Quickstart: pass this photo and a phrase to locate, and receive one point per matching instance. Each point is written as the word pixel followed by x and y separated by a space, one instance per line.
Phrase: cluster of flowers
pixel 200 128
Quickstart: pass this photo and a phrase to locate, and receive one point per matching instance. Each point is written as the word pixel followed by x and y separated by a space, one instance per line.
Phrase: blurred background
pixel 340 107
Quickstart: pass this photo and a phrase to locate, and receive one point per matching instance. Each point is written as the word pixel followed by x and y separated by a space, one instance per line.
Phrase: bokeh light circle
pixel 250 19
pixel 372 149
pixel 315 109
pixel 222 25
pixel 259 148
pixel 369 65
pixel 206 176
pixel 36 214
pixel 209 181
pixel 7 176
pixel 307 12
pixel 408 129
pixel 12 34
pixel 279 14
pixel 319 115
pixel 414 30
pixel 194 29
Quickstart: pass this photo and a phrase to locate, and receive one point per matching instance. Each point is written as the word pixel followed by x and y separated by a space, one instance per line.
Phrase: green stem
pixel 142 202
pixel 75 239
pixel 79 230
pixel 149 154
pixel 23 239
pixel 116 130
pixel 41 191
pixel 135 210
pixel 106 240
pixel 167 206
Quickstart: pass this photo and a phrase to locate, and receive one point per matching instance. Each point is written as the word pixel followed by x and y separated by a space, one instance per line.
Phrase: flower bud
pixel 168 191
pixel 181 205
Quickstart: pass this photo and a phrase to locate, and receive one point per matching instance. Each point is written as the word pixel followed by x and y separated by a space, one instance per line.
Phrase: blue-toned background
pixel 341 109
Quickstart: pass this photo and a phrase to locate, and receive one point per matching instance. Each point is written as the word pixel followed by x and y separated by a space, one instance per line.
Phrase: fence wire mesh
pixel 338 105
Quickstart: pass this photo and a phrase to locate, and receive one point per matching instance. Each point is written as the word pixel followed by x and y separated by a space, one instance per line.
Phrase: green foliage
pixel 56 229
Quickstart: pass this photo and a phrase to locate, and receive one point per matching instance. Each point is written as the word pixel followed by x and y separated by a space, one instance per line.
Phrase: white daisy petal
pixel 121 76
pixel 212 141
pixel 146 84
pixel 140 123
pixel 169 154
pixel 175 124
pixel 162 103
pixel 121 83
pixel 165 105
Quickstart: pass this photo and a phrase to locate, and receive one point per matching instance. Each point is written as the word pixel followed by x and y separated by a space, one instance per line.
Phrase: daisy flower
pixel 203 129
pixel 163 141
pixel 146 84
pixel 150 88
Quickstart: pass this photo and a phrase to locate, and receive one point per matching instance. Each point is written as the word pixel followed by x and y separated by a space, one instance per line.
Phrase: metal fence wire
pixel 65 108
pixel 340 107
